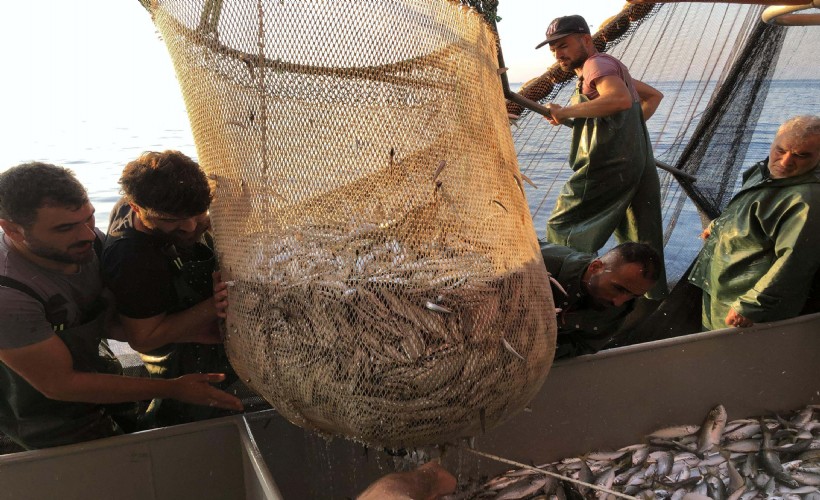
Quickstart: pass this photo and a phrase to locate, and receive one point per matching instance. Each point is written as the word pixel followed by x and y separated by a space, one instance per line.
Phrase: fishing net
pixel 728 81
pixel 726 78
pixel 388 284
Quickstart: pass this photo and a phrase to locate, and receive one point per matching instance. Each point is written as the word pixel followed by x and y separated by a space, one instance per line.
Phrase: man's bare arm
pixel 650 98
pixel 613 97
pixel 195 324
pixel 48 367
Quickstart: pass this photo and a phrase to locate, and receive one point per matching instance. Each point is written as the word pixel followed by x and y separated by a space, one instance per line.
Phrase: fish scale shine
pixel 663 469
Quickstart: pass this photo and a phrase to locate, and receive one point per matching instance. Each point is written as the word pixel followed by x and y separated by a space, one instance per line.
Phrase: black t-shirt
pixel 136 267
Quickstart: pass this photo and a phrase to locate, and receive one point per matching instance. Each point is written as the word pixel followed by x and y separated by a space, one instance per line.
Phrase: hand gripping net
pixel 369 208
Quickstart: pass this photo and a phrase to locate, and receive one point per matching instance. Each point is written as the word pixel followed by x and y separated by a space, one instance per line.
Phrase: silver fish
pixel 743 446
pixel 736 494
pixel 522 488
pixel 511 349
pixel 770 461
pixel 606 455
pixel 712 429
pixel 437 308
pixel 744 432
pixel 736 481
pixel 675 432
pixel 806 478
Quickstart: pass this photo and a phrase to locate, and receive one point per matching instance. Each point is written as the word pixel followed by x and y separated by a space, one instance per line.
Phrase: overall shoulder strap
pixel 7 282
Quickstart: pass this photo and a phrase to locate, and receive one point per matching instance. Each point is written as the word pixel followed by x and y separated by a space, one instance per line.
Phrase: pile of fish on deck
pixel 746 459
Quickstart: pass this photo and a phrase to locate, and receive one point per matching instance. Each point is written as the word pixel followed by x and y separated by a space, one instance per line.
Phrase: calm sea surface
pixel 97 152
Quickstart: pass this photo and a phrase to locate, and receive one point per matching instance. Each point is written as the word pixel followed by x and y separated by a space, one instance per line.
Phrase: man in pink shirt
pixel 614 187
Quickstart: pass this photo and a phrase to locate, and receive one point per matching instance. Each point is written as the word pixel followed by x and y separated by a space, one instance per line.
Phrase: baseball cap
pixel 563 26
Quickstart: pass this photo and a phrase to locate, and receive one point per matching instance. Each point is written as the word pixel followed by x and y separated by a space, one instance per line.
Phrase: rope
pixel 536 469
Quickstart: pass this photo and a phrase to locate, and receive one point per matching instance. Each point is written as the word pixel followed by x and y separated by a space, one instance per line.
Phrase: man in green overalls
pixel 614 187
pixel 762 253
pixel 158 261
pixel 59 381
pixel 593 296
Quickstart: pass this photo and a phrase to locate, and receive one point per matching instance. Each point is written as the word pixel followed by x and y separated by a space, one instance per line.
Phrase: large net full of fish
pixel 369 210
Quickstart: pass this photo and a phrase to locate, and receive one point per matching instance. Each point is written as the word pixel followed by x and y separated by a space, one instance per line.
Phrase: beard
pixel 81 252
pixel 181 239
pixel 578 62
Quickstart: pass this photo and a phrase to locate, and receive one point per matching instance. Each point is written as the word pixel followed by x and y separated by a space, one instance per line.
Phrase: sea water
pixel 98 149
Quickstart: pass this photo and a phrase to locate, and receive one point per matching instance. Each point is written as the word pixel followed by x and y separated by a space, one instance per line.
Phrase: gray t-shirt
pixel 71 297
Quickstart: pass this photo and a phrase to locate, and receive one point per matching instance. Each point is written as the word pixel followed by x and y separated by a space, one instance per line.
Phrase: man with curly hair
pixel 158 261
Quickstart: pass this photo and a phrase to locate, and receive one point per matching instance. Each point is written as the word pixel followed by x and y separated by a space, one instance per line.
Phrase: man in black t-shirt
pixel 158 261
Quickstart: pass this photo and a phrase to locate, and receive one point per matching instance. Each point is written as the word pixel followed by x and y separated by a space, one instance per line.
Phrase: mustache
pixel 80 244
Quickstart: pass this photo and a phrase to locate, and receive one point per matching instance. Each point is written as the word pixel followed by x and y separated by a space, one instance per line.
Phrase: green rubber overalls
pixel 193 283
pixel 762 252
pixel 614 187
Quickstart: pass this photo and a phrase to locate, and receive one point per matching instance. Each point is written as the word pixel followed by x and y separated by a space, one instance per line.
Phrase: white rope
pixel 536 469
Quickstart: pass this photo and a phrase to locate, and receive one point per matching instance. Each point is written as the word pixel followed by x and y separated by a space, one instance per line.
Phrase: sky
pixel 86 71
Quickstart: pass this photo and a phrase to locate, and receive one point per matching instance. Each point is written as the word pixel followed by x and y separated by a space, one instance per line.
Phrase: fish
pixel 806 478
pixel 771 463
pixel 737 493
pixel 743 446
pixel 736 481
pixel 606 455
pixel 712 429
pixel 664 459
pixel 764 459
pixel 675 432
pixel 744 432
pixel 522 488
pixel 511 349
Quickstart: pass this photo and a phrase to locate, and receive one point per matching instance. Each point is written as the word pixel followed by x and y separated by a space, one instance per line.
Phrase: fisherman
pixel 595 295
pixel 761 254
pixel 60 382
pixel 614 187
pixel 158 262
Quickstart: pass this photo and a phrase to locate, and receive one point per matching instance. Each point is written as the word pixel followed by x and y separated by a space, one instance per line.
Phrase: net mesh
pixel 388 285
pixel 728 81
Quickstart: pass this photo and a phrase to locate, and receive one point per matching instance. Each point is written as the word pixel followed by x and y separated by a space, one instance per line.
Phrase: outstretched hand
pixel 196 388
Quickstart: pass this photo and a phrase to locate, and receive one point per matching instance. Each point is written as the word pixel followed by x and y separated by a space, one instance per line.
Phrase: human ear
pixel 596 266
pixel 13 230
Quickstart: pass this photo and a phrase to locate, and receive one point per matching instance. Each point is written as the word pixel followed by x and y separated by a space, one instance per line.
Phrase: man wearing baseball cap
pixel 614 187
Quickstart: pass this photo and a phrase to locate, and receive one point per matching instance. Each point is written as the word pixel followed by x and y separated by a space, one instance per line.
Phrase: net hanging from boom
pixel 388 282
pixel 728 80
